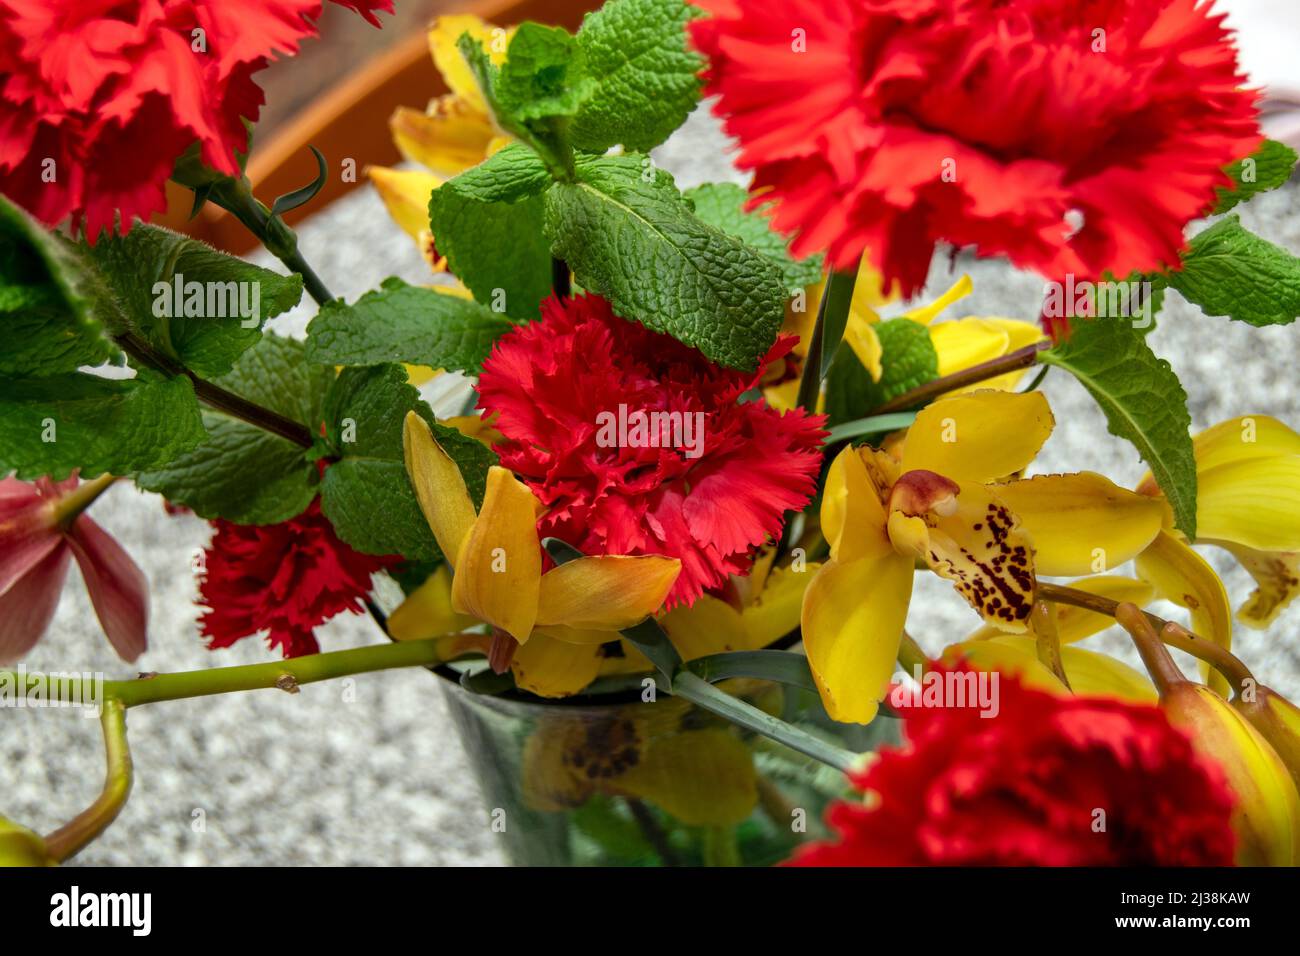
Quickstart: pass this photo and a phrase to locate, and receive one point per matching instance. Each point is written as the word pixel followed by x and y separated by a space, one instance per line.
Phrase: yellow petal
pixel 1244 439
pixel 629 661
pixel 709 626
pixel 980 548
pixel 699 777
pixel 962 343
pixel 438 484
pixel 606 592
pixel 1081 523
pixel 1092 674
pixel 499 565
pixel 443 34
pixel 1012 660
pixel 869 292
pixel 926 314
pixel 853 516
pixel 980 436
pixel 552 668
pixel 1182 576
pixel 1252 503
pixel 1278 576
pixel 1075 623
pixel 862 339
pixel 853 616
pixel 775 613
pixel 405 193
pixel 427 612
pixel 801 316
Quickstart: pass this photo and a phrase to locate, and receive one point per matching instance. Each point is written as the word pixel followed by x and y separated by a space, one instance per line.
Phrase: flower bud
pixel 1277 720
pixel 21 847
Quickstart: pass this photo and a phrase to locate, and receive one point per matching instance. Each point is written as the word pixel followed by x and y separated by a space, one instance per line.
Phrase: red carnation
pixel 98 98
pixel 886 126
pixel 1024 787
pixel 283 578
pixel 558 385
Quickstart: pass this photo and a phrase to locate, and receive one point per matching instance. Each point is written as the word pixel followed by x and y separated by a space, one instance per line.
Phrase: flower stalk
pixel 1011 362
pixel 74 835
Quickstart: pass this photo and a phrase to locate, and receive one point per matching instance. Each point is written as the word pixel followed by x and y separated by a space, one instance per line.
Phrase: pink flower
pixel 42 525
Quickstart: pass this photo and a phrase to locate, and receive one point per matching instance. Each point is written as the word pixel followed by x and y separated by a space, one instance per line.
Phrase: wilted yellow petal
pixel 977 546
pixel 1244 439
pixel 499 565
pixel 1092 674
pixel 961 343
pixel 448 139
pixel 853 516
pixel 699 777
pixel 926 314
pixel 405 193
pixel 775 612
pixel 605 592
pixel 1182 576
pixel 439 486
pixel 443 34
pixel 552 668
pixel 709 626
pixel 1251 503
pixel 980 436
pixel 1081 523
pixel 862 339
pixel 1278 577
pixel 853 616
pixel 427 612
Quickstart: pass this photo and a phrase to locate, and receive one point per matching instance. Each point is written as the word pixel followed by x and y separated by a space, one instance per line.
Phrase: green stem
pixel 700 692
pixel 719 846
pixel 832 317
pixel 70 838
pixel 1020 358
pixel 869 426
pixel 911 657
pixel 67 508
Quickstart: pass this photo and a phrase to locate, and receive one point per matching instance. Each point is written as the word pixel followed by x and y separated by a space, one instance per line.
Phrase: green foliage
pixel 722 205
pixel 1267 168
pixel 908 360
pixel 1228 270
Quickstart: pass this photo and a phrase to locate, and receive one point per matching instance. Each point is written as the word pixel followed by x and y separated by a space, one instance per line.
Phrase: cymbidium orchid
pixel 947 503
pixel 548 627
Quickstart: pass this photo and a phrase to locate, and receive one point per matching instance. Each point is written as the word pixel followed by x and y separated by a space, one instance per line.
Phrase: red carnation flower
pixel 85 84
pixel 706 480
pixel 1074 138
pixel 282 578
pixel 1024 787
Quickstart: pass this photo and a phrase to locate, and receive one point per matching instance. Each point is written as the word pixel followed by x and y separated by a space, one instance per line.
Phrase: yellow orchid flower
pixel 559 619
pixel 453 133
pixel 944 502
pixel 1090 673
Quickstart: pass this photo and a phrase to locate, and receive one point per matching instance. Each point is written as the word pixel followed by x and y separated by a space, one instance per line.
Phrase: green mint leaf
pixel 51 425
pixel 628 235
pixel 1267 168
pixel 366 493
pixel 908 360
pixel 722 206
pixel 488 223
pixel 1143 401
pixel 243 473
pixel 647 76
pixel 544 74
pixel 47 301
pixel 196 305
pixel 1228 270
pixel 403 323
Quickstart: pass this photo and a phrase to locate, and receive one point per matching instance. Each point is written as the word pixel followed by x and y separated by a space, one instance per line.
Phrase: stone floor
pixel 379 777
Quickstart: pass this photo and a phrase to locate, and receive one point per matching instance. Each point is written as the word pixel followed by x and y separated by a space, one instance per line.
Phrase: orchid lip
pixel 919 491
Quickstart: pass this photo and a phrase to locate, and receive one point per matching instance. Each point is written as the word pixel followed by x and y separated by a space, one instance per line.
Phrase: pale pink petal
pixel 117 587
pixel 26 533
pixel 27 607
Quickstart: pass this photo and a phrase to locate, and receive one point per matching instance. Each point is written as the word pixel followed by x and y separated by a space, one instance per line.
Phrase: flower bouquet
pixel 646 475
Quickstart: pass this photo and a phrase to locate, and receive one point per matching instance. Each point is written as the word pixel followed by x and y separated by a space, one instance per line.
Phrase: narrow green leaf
pixel 1268 167
pixel 1143 401
pixel 1228 270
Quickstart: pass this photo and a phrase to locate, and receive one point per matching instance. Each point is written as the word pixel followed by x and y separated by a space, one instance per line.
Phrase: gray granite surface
pixel 382 778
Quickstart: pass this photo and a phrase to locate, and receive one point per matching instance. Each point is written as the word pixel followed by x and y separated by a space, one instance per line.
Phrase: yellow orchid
pixel 453 133
pixel 559 619
pixel 958 343
pixel 945 501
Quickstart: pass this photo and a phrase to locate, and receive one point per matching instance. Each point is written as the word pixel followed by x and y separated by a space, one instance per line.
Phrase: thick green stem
pixel 70 838
pixel 1020 358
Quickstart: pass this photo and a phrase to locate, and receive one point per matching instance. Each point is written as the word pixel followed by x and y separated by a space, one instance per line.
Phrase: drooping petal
pixel 979 546
pixel 1011 660
pixel 27 530
pixel 452 136
pixel 861 337
pixel 1091 673
pixel 980 436
pixel 405 193
pixel 439 486
pixel 427 611
pixel 28 606
pixel 775 612
pixel 709 626
pixel 118 588
pixel 1277 575
pixel 928 313
pixel 499 565
pixel 1182 576
pixel 852 620
pixel 1251 502
pixel 1246 438
pixel 552 668
pixel 1081 523
pixel 444 33
pixel 606 592
pixel 853 513
pixel 699 777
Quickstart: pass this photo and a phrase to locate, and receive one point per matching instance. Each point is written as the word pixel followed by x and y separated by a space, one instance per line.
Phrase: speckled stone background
pixel 382 778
